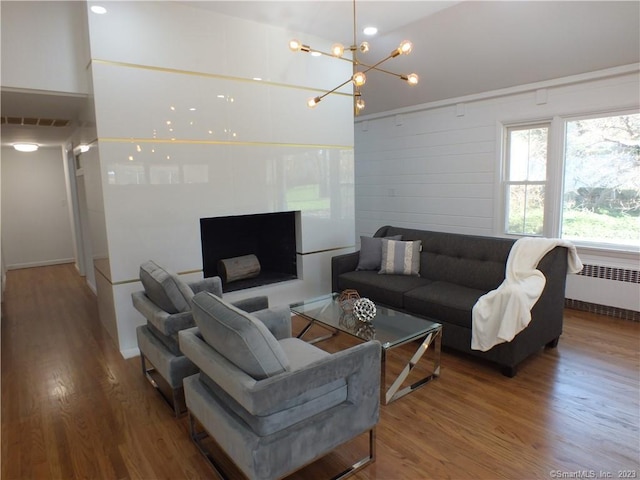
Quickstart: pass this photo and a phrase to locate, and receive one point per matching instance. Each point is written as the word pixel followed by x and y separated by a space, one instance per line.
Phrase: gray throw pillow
pixel 165 289
pixel 371 252
pixel 239 337
pixel 400 258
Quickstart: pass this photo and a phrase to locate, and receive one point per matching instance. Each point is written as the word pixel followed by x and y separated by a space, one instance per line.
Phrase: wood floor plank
pixel 72 407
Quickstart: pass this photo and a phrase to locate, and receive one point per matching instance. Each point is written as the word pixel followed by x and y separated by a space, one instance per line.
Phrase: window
pixel 526 178
pixel 601 195
pixel 596 198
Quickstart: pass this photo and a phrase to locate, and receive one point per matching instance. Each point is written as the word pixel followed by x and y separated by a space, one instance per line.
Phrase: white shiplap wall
pixel 435 166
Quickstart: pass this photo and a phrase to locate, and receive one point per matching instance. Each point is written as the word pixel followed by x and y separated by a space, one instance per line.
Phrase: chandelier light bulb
pixel 360 103
pixel 359 79
pixel 313 101
pixel 412 79
pixel 337 50
pixel 364 47
pixel 405 47
pixel 295 45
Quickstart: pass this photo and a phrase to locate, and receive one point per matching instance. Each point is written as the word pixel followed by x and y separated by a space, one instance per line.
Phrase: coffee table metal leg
pixel 311 323
pixel 393 393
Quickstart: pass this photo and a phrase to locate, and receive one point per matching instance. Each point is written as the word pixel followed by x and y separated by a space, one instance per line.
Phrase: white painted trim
pixel 504 92
pixel 60 261
pixel 130 353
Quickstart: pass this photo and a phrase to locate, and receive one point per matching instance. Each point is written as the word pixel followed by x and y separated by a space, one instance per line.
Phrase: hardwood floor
pixel 72 407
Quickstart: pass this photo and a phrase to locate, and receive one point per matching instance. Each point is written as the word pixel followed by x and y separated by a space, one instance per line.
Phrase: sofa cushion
pixel 400 258
pixel 371 252
pixel 446 302
pixel 385 289
pixel 238 336
pixel 165 289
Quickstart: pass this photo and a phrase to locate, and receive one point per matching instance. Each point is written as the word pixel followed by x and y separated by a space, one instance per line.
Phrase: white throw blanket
pixel 501 314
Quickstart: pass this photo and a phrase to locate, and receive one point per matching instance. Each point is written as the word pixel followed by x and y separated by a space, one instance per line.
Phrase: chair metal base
pixel 173 396
pixel 199 435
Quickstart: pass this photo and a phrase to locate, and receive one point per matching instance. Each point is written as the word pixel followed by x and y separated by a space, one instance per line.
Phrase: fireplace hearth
pixel 270 237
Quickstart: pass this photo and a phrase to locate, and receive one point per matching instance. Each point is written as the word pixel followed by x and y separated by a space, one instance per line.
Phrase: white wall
pixel 36 228
pixel 436 166
pixel 44 46
pixel 160 166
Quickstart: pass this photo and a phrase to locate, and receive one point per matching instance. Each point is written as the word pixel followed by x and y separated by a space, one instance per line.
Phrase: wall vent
pixel 611 273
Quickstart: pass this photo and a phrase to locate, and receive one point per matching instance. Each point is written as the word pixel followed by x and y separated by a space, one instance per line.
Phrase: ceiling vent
pixel 34 122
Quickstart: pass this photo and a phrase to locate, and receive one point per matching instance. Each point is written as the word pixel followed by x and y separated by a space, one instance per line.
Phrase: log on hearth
pixel 238 268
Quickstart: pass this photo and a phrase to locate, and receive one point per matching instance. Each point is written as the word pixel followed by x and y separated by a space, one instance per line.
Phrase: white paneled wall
pixel 203 115
pixel 436 167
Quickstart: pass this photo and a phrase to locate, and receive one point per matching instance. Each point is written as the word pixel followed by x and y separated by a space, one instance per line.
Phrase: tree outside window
pixel 601 197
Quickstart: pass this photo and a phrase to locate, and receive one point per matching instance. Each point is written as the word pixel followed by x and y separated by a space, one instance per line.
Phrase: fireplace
pixel 266 239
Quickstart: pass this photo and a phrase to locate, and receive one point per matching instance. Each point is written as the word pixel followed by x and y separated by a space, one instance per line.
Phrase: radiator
pixel 607 273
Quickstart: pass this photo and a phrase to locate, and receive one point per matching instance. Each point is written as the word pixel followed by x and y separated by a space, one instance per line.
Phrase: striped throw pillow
pixel 400 258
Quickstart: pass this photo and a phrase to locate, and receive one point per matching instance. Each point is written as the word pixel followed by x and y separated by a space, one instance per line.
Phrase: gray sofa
pixel 455 270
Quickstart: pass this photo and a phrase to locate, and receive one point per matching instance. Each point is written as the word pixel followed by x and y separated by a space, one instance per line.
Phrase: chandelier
pixel 360 69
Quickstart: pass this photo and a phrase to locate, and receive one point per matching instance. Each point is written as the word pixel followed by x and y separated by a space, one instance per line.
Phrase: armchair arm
pixel 210 284
pixel 252 304
pixel 358 365
pixel 277 320
pixel 341 264
pixel 165 322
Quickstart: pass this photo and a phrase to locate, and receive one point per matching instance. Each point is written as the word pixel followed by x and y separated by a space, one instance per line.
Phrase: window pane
pixel 528 154
pixel 602 180
pixel 525 209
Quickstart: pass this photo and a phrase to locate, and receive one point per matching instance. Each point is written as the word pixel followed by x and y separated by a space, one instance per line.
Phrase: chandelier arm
pixel 334 89
pixel 326 54
pixel 373 67
pixel 355 60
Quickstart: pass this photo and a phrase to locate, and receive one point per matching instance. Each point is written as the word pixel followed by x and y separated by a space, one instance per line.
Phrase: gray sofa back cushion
pixel 471 261
pixel 239 337
pixel 165 289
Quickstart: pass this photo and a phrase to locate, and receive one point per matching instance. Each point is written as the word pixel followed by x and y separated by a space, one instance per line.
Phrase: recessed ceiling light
pixel 370 30
pixel 316 54
pixel 98 9
pixel 25 147
pixel 257 79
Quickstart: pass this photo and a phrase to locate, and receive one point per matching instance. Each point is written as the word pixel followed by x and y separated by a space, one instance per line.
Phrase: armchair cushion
pixel 165 289
pixel 239 336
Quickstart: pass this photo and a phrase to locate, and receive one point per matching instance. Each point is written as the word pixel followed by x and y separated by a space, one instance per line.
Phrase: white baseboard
pixel 130 353
pixel 46 263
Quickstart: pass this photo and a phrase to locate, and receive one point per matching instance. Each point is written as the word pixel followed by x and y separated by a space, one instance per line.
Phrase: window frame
pixel 554 189
pixel 506 173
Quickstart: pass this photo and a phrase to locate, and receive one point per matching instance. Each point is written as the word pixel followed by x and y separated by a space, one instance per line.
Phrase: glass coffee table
pixel 390 327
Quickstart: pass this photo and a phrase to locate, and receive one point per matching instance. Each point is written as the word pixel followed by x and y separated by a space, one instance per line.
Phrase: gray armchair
pixel 274 403
pixel 166 304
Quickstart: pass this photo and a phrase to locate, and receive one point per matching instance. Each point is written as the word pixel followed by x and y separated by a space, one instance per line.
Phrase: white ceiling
pixel 460 48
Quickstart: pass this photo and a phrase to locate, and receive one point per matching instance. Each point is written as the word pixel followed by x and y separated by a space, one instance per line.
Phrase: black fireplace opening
pixel 268 237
